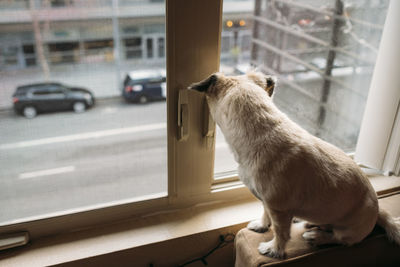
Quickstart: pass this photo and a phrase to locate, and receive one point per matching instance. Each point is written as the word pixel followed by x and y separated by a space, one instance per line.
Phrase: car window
pixel 39 92
pixel 156 80
pixel 55 89
pixel 145 81
pixel 22 90
pixel 127 80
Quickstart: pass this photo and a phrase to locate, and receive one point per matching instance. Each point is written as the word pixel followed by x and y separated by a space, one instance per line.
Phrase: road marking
pixel 28 175
pixel 84 136
pixel 109 110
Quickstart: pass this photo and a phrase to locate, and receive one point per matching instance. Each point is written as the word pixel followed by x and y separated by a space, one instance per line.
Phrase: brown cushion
pixel 375 250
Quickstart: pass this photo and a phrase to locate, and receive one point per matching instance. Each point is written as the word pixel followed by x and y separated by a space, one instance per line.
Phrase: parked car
pixel 144 85
pixel 31 99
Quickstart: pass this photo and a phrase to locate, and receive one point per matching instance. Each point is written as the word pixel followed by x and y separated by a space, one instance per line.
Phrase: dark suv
pixel 31 99
pixel 144 85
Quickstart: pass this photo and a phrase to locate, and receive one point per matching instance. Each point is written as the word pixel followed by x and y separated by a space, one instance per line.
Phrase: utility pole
pixel 117 42
pixel 326 87
pixel 254 47
pixel 38 40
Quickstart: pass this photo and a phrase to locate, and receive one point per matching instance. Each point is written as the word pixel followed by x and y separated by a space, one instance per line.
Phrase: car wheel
pixel 29 112
pixel 143 99
pixel 79 107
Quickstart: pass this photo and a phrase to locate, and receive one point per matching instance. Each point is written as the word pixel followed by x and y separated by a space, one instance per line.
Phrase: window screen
pixel 322 52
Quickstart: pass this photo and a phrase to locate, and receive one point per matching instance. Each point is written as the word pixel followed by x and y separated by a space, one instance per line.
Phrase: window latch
pixel 183 115
pixel 12 240
pixel 208 126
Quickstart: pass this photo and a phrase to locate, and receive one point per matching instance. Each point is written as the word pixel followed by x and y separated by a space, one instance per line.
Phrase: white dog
pixel 293 173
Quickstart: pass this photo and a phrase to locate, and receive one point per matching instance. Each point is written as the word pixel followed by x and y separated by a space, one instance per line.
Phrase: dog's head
pixel 217 84
pixel 221 90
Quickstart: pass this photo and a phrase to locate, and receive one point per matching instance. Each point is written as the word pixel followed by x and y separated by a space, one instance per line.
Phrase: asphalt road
pixel 65 161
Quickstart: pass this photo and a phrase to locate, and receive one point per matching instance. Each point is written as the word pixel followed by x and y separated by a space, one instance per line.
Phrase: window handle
pixel 208 126
pixel 183 115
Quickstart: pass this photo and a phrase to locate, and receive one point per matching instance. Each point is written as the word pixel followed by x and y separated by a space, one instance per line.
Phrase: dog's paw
pixel 318 237
pixel 267 249
pixel 257 226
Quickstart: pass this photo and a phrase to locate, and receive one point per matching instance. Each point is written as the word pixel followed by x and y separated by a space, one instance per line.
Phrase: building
pixel 93 43
pixel 82 31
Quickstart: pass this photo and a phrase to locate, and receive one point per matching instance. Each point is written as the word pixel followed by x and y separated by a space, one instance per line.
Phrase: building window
pixel 161 47
pixel 29 54
pixel 98 51
pixel 60 3
pixel 149 48
pixel 133 48
pixel 64 52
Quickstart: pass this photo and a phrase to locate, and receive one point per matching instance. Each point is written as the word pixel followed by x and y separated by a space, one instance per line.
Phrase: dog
pixel 293 173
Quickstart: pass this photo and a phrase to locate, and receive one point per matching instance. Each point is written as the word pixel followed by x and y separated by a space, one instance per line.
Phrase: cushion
pixel 375 250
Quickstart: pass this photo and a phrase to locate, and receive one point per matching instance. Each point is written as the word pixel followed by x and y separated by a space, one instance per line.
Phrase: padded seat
pixel 375 250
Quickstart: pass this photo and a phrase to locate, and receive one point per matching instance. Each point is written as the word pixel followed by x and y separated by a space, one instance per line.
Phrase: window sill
pixel 161 227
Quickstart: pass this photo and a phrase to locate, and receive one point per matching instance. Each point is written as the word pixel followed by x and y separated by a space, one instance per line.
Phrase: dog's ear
pixel 204 85
pixel 270 84
pixel 267 82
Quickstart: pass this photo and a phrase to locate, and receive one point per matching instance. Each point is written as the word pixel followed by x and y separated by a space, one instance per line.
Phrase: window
pixel 29 53
pixel 121 159
pixel 149 47
pixel 323 54
pixel 59 3
pixel 235 54
pixel 161 47
pixel 65 52
pixel 98 48
pixel 133 47
pixel 89 142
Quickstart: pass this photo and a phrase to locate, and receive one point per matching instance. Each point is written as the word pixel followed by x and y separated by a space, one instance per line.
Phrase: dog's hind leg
pixel 323 227
pixel 343 235
pixel 262 225
pixel 281 222
pixel 317 236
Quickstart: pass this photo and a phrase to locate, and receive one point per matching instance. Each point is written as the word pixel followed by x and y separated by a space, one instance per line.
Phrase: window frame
pixel 193 52
pixel 383 125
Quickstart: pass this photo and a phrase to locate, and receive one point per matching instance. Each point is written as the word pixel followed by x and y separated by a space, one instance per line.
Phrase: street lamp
pixel 235 25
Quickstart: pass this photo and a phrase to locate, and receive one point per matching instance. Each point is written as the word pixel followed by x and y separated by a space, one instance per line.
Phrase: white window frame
pixel 193 52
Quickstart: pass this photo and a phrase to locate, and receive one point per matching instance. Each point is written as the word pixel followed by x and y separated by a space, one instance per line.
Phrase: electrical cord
pixel 223 241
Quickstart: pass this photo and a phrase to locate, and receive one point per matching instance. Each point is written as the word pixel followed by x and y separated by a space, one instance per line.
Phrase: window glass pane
pixel 324 62
pixel 236 34
pixel 133 47
pixel 82 112
pixel 161 47
pixel 149 47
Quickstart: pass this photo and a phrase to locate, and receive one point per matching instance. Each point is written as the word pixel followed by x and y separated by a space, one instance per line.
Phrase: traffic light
pixel 235 23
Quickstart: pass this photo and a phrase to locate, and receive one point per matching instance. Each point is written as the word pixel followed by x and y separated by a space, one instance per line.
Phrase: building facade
pixel 82 31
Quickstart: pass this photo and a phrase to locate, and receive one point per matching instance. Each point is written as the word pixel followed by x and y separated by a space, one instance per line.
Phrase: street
pixel 64 161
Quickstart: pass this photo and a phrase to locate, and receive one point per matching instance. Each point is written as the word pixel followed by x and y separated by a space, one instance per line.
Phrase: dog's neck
pixel 238 127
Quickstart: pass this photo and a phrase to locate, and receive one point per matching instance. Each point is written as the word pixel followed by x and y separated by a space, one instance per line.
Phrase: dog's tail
pixel 391 226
